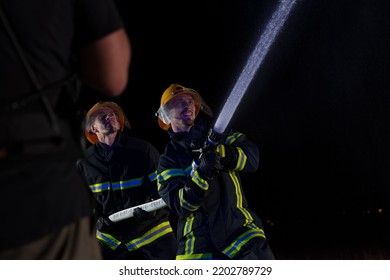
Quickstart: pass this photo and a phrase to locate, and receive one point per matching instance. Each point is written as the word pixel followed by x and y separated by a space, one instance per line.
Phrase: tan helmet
pixel 90 118
pixel 172 91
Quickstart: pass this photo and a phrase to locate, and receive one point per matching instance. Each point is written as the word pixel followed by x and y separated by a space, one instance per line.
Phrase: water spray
pixel 247 74
pixel 254 62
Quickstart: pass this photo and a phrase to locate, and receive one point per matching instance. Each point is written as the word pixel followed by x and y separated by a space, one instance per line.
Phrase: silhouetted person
pixel 46 46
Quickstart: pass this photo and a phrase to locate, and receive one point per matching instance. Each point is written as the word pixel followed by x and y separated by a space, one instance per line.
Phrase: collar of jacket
pixel 105 150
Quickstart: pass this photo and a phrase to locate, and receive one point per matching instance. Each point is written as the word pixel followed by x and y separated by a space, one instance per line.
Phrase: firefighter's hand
pixel 103 223
pixel 209 164
pixel 229 156
pixel 141 215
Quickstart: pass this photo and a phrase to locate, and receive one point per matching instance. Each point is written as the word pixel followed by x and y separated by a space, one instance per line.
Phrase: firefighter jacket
pixel 216 213
pixel 120 177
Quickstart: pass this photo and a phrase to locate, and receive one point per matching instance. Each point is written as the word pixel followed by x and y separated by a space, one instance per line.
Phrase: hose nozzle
pixel 213 138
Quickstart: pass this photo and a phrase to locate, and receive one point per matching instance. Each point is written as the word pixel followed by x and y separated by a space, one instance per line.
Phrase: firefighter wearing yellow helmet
pixel 174 90
pixel 202 186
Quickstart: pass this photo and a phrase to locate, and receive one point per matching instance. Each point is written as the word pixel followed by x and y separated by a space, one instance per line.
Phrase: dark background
pixel 318 108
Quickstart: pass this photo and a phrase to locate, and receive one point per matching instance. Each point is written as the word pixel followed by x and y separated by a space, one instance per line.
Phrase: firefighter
pixel 121 173
pixel 201 184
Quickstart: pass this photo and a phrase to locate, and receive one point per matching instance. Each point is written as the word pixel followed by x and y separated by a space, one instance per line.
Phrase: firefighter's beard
pixel 186 120
pixel 109 128
pixel 182 123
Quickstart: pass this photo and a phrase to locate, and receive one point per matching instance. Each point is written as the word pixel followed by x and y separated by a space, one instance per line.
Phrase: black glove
pixel 209 164
pixel 229 156
pixel 141 215
pixel 103 223
pixel 195 192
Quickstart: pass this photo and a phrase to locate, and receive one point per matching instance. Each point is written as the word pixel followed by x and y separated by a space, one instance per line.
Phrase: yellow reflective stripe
pixel 253 226
pixel 115 186
pixel 243 239
pixel 232 138
pixel 150 236
pixel 108 239
pixel 123 185
pixel 241 162
pixel 167 174
pixel 201 183
pixel 185 204
pixel 189 235
pixel 221 150
pixel 206 256
pixel 99 187
pixel 247 215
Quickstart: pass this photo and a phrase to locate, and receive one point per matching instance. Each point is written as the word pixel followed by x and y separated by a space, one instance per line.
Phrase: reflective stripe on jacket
pixel 220 218
pixel 120 177
pixel 145 239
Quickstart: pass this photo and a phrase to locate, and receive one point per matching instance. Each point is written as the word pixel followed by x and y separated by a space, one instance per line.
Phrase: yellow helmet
pixel 90 118
pixel 172 91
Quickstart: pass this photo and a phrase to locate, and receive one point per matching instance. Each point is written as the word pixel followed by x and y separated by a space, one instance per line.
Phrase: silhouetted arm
pixel 105 63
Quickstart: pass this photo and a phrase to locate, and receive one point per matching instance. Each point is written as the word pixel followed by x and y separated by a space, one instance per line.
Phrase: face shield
pixel 163 114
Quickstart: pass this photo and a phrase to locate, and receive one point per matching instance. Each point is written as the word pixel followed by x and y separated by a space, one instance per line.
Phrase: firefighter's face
pixel 106 121
pixel 182 112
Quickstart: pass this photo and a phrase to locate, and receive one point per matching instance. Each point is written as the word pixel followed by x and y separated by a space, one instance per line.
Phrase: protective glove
pixel 103 223
pixel 196 192
pixel 209 164
pixel 229 156
pixel 141 215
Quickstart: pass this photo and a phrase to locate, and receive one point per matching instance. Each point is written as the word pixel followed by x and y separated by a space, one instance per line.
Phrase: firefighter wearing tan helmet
pixel 91 117
pixel 121 173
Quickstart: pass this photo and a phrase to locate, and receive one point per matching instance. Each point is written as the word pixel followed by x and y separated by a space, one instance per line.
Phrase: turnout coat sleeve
pixel 175 166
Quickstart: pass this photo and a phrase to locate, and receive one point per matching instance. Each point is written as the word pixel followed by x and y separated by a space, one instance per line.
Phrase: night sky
pixel 318 108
